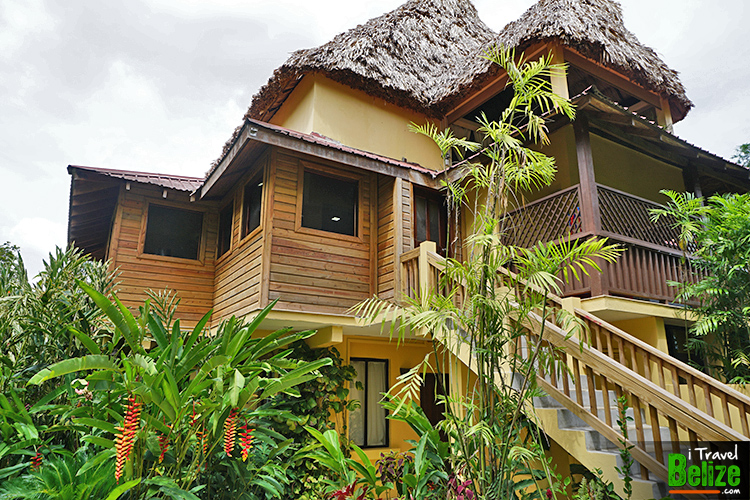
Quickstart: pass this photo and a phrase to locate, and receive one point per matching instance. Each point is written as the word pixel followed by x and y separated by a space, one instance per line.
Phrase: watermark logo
pixel 711 470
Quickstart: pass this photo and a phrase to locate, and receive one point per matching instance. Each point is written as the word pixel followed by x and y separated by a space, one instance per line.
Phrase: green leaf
pixel 98 459
pixel 90 362
pixel 234 390
pixel 96 423
pixel 87 341
pixel 115 494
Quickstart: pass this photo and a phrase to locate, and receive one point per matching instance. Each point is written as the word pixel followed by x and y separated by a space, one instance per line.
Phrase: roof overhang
pixel 255 136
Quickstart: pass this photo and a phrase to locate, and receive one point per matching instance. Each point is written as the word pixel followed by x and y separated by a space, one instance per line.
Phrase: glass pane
pixel 420 210
pixel 173 232
pixel 251 205
pixel 377 383
pixel 330 204
pixel 357 417
pixel 225 229
pixel 434 221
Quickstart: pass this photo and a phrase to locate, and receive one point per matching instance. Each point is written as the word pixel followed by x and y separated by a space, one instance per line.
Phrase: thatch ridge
pixel 595 29
pixel 408 56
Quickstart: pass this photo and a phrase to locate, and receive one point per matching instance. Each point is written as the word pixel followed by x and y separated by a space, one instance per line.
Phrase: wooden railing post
pixel 425 273
pixel 589 196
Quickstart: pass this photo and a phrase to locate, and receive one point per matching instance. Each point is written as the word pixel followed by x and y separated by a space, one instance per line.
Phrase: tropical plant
pixel 65 477
pixel 496 308
pixel 718 231
pixel 175 419
pixel 742 155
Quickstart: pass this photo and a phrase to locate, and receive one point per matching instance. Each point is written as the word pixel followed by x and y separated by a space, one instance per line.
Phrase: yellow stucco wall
pixel 649 329
pixel 356 119
pixel 404 356
pixel 562 148
pixel 633 172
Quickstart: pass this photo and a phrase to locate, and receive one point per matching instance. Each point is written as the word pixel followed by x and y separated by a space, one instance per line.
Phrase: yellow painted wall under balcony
pixel 649 329
pixel 318 104
pixel 633 172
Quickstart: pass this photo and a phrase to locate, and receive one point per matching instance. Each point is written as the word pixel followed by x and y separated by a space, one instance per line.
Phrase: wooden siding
pixel 407 198
pixel 314 271
pixel 192 280
pixel 386 239
pixel 237 290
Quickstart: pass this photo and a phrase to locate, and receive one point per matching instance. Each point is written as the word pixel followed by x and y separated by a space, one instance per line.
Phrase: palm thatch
pixel 595 29
pixel 408 56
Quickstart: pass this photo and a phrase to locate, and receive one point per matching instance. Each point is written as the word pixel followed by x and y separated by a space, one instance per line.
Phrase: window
pixel 330 204
pixel 368 426
pixel 430 219
pixel 225 230
pixel 173 232
pixel 677 339
pixel 251 203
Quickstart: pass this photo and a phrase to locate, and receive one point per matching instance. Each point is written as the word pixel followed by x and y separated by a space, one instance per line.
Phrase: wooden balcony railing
pixel 652 254
pixel 667 396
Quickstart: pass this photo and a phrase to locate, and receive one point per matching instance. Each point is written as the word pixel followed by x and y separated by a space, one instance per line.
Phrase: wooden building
pixel 322 197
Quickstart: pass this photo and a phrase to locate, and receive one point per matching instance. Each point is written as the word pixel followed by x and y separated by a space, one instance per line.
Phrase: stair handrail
pixel 609 370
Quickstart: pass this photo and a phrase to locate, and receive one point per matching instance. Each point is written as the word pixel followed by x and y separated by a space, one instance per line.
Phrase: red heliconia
pixel 230 430
pixel 126 435
pixel 36 462
pixel 163 445
pixel 246 440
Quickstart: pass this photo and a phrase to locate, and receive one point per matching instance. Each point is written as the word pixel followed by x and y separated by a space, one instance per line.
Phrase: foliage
pixel 321 404
pixel 63 478
pixel 625 446
pixel 719 231
pixel 494 436
pixel 742 155
pixel 39 321
pixel 170 417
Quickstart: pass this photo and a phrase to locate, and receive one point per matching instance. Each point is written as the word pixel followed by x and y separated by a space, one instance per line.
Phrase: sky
pixel 159 85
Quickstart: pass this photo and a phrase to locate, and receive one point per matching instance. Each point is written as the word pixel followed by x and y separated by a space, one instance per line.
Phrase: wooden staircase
pixel 672 403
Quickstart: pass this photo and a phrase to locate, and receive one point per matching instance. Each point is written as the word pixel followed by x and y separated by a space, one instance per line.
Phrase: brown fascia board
pixel 255 131
pixel 659 137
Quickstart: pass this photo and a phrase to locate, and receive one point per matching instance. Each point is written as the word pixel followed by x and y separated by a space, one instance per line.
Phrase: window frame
pixel 228 206
pixel 176 206
pixel 334 173
pixel 443 228
pixel 257 176
pixel 363 404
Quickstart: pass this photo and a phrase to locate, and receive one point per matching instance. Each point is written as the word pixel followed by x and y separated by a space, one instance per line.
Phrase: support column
pixel 692 182
pixel 589 197
pixel 664 114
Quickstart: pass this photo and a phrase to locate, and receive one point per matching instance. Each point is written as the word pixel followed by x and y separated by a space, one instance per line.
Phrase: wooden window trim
pixel 252 234
pixel 363 403
pixel 336 174
pixel 200 261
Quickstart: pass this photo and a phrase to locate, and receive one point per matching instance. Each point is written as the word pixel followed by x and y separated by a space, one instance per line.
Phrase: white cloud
pixel 37 237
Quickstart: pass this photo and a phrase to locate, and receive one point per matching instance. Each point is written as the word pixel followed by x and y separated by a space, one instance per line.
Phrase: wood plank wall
pixel 386 239
pixel 314 271
pixel 237 288
pixel 192 280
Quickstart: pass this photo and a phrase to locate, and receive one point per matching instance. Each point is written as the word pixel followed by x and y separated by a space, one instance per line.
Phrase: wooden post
pixel 692 182
pixel 664 114
pixel 425 273
pixel 589 200
pixel 559 81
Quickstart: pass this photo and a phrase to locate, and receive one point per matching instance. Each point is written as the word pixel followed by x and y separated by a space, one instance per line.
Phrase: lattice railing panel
pixel 629 216
pixel 545 220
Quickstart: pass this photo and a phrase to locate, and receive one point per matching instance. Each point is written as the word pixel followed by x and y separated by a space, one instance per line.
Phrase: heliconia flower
pixel 163 445
pixel 246 440
pixel 36 462
pixel 230 429
pixel 126 435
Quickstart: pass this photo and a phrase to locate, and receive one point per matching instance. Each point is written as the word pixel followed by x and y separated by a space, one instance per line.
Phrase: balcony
pixel 652 256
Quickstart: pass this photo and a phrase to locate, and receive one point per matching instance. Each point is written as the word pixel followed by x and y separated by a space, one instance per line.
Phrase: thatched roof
pixel 595 29
pixel 409 56
pixel 425 55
